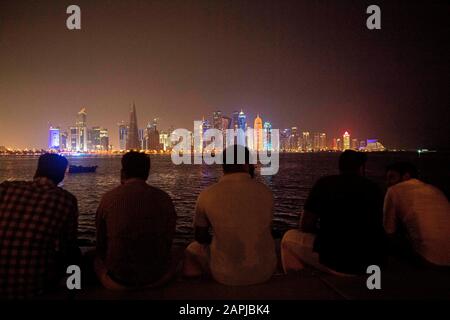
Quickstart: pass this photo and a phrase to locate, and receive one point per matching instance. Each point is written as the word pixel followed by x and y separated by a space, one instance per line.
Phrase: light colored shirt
pixel 424 213
pixel 239 210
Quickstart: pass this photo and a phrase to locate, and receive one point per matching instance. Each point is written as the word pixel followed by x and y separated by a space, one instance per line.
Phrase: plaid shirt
pixel 38 221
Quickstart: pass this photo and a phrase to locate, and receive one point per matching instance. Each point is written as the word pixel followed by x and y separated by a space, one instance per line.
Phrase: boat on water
pixel 82 169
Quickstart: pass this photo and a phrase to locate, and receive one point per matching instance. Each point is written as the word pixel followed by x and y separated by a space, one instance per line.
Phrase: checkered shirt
pixel 37 222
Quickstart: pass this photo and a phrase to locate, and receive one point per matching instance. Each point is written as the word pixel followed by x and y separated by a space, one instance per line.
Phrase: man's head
pixel 51 166
pixel 352 162
pixel 135 165
pixel 399 172
pixel 240 160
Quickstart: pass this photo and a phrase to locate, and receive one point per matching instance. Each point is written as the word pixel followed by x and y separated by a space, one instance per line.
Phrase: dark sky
pixel 311 64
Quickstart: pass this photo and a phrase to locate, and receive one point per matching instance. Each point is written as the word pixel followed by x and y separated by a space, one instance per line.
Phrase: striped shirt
pixel 135 227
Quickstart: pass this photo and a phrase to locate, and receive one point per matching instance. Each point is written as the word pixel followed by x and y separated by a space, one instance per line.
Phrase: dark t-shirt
pixel 350 210
pixel 135 228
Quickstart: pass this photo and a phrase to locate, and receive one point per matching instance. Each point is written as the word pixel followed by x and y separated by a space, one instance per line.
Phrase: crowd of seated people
pixel 346 226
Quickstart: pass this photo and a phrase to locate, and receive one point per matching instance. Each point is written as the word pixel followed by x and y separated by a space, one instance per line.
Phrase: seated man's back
pixel 424 213
pixel 135 227
pixel 350 234
pixel 239 210
pixel 38 229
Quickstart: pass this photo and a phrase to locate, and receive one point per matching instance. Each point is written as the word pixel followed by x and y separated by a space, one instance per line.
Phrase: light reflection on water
pixel 291 185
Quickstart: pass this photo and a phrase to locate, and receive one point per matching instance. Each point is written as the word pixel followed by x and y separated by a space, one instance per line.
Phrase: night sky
pixel 311 64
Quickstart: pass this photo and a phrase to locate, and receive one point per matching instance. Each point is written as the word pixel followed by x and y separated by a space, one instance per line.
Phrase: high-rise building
pixel 334 145
pixel 63 140
pixel 258 139
pixel 217 120
pixel 268 136
pixel 104 139
pixel 293 139
pixel 78 134
pixel 164 140
pixel 54 142
pixel 81 124
pixel 235 122
pixel 98 139
pixel 306 144
pixel 355 144
pixel 226 123
pixel 362 145
pixel 141 135
pixel 152 139
pixel 316 142
pixel 242 120
pixel 123 135
pixel 339 144
pixel 323 142
pixel 133 132
pixel 284 139
pixel 346 141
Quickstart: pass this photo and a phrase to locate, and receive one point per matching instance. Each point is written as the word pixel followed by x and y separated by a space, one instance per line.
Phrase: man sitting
pixel 135 227
pixel 239 211
pixel 341 230
pixel 38 231
pixel 416 216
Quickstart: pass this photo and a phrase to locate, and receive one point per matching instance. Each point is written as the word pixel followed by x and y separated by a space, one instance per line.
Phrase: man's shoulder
pixel 159 193
pixel 15 184
pixel 67 195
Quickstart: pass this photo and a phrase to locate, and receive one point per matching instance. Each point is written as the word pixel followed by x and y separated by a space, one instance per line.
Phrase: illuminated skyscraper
pixel 334 145
pixel 323 142
pixel 104 139
pixel 123 135
pixel 346 141
pixel 63 140
pixel 217 120
pixel 242 120
pixel 355 144
pixel 258 140
pixel 306 142
pixel 226 123
pixel 54 142
pixel 268 136
pixel 339 144
pixel 285 135
pixel 316 142
pixel 98 139
pixel 133 132
pixel 78 134
pixel 164 140
pixel 235 123
pixel 152 139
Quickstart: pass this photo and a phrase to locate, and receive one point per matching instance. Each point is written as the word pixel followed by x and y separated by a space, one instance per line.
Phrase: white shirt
pixel 424 211
pixel 239 210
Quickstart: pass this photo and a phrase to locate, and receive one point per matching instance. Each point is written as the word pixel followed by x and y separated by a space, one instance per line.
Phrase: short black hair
pixel 52 166
pixel 350 161
pixel 235 166
pixel 136 165
pixel 403 167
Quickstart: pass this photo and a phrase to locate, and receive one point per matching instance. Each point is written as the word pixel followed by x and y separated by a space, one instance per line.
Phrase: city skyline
pixel 85 138
pixel 306 64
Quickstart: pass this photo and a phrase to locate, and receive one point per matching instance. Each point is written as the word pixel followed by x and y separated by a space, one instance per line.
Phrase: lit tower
pixel 268 136
pixel 81 127
pixel 258 140
pixel 217 120
pixel 133 132
pixel 346 141
pixel 54 142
